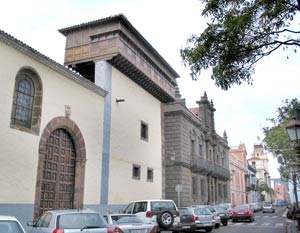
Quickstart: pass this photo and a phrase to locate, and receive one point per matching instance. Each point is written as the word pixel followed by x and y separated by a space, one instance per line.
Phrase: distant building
pixel 252 195
pixel 196 157
pixel 259 159
pixel 239 171
pixel 281 189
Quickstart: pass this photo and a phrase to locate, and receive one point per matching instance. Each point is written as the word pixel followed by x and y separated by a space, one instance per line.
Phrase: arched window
pixel 24 101
pixel 26 109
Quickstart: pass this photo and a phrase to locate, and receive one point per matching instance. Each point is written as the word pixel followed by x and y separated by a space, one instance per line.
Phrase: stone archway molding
pixel 72 128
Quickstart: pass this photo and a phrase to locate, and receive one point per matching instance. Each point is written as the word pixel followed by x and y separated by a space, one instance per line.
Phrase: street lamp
pixel 293 129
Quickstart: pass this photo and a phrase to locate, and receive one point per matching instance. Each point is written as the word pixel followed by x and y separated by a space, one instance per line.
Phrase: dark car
pixel 291 213
pixel 242 212
pixel 187 219
pixel 222 214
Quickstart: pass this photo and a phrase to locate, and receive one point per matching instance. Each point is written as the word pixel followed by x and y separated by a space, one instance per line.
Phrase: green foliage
pixel 240 33
pixel 277 140
pixel 262 186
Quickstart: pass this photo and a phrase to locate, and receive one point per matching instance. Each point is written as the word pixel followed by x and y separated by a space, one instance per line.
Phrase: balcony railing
pixel 207 167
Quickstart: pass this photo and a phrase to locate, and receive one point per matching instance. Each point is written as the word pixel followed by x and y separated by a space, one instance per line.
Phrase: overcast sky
pixel 166 24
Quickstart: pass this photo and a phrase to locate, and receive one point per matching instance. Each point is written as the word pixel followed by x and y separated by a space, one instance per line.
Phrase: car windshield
pixel 157 206
pixel 120 219
pixel 202 211
pixel 80 220
pixel 7 226
pixel 267 204
pixel 219 209
pixel 240 208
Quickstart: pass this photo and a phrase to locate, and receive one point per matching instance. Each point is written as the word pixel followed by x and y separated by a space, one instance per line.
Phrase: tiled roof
pixel 31 52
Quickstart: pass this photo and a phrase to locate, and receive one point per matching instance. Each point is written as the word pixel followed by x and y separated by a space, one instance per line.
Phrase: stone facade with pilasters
pixel 196 156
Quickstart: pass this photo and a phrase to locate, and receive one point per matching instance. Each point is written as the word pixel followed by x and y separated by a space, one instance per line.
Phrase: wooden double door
pixel 57 185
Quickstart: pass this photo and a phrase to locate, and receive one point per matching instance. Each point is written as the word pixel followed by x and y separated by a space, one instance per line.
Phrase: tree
pixel 262 187
pixel 276 139
pixel 240 33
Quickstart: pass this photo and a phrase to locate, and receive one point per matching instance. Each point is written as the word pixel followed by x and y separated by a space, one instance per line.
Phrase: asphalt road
pixel 264 222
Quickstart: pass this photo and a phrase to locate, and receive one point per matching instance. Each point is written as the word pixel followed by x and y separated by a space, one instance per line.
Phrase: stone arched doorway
pixel 61 167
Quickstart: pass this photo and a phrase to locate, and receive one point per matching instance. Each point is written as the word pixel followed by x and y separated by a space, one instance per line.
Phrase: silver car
pixel 70 221
pixel 204 218
pixel 9 224
pixel 128 223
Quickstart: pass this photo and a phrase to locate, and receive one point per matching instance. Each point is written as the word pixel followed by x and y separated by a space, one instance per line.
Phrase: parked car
pixel 228 207
pixel 128 223
pixel 222 214
pixel 291 213
pixel 204 218
pixel 257 206
pixel 163 213
pixel 187 219
pixel 217 218
pixel 268 207
pixel 242 212
pixel 10 224
pixel 70 221
pixel 252 206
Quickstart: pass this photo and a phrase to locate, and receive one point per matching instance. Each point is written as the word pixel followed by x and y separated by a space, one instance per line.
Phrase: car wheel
pixel 165 219
pixel 208 229
pixel 217 225
pixel 225 223
pixel 233 220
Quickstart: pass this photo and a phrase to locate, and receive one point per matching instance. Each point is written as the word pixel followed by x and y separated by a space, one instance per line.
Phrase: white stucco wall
pixel 19 150
pixel 126 146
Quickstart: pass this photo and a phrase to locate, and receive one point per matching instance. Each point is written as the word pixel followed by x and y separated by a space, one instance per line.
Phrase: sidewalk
pixel 292 227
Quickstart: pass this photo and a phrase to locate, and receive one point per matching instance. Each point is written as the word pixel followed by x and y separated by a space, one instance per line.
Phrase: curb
pixel 291 228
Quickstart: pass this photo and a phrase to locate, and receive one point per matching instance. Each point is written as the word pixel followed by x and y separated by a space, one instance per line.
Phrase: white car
pixel 163 213
pixel 10 224
pixel 128 223
pixel 268 207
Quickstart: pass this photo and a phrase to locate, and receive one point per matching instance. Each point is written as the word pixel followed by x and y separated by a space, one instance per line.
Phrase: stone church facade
pixel 196 157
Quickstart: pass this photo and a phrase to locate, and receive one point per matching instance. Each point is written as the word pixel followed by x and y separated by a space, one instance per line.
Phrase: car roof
pixel 6 217
pixel 120 214
pixel 71 211
pixel 154 200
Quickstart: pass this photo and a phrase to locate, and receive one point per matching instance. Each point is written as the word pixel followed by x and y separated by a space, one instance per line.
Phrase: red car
pixel 242 212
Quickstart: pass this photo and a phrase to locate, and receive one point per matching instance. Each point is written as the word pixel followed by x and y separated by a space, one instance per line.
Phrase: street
pixel 264 222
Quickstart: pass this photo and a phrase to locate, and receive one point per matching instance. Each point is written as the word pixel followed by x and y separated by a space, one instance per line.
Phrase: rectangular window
pixel 220 190
pixel 136 172
pixel 150 174
pixel 192 149
pixel 225 191
pixel 144 131
pixel 194 184
pixel 203 188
